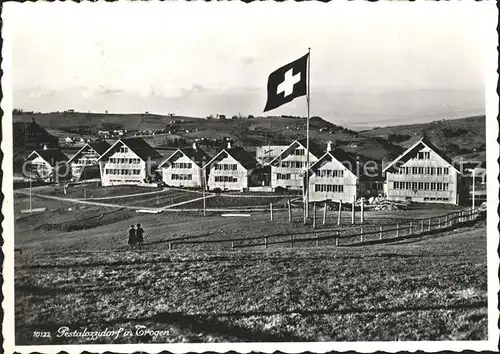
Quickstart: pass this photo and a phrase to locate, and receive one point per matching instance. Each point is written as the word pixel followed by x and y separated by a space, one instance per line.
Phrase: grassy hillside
pixel 458 138
pixel 464 137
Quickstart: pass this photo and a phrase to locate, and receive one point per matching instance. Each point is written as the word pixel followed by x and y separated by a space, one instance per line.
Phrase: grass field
pixel 432 289
pixel 76 269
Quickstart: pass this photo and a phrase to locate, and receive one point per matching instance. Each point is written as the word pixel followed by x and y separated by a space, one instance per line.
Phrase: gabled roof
pixel 412 151
pixel 139 146
pixel 19 128
pixel 52 156
pixel 245 158
pixel 100 147
pixel 345 158
pixel 196 155
pixel 314 149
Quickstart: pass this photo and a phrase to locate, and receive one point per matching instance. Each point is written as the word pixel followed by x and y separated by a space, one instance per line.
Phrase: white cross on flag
pixel 287 83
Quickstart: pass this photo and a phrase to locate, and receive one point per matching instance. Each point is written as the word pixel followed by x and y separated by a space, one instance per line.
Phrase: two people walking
pixel 135 235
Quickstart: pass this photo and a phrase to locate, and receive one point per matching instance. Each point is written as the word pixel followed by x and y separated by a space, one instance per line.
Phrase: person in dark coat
pixel 132 236
pixel 140 234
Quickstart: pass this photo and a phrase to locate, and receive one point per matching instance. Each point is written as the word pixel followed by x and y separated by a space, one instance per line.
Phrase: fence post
pixel 381 231
pixel 397 230
pixel 289 211
pixel 232 245
pixel 265 243
pixel 337 238
pixel 317 239
pixel 291 241
pixel 362 210
pixel 422 225
pixel 314 215
pixel 324 214
pixel 353 211
pixel 271 210
pixel 170 246
pixel 361 234
pixel 411 227
pixel 430 225
pixel 340 213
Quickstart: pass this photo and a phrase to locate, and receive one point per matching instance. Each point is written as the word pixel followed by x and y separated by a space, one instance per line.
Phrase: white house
pixel 231 169
pixel 129 161
pixel 286 168
pixel 424 174
pixel 333 177
pixel 184 168
pixel 48 165
pixel 84 163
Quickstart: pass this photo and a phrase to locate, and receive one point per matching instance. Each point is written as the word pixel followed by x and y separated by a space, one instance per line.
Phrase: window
pixel 445 187
pixel 446 171
pixel 439 186
pixel 420 185
pixel 433 186
pixel 299 152
pixel 421 155
pixel 420 170
pixel 124 149
pixel 433 171
pixel 184 177
pixel 427 155
pixel 414 170
pixel 414 185
pixel 408 185
pixel 283 176
pixel 335 188
pixel 439 171
pixel 396 185
pixel 407 170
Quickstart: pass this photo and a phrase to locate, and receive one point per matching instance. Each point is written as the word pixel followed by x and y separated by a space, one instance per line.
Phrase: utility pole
pixel 204 183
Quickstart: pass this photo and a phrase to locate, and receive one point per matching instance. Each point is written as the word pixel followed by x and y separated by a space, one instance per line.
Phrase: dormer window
pixel 124 149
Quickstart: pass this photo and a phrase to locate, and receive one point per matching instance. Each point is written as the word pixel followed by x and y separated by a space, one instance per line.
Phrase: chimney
pixel 229 145
pixel 329 146
pixel 45 147
pixel 194 146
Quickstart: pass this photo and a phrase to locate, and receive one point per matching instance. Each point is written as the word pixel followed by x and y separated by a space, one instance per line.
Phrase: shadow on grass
pixel 220 324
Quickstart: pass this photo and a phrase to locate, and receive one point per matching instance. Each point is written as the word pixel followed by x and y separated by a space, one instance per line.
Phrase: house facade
pixel 130 161
pixel 184 168
pixel 423 174
pixel 287 167
pixel 47 165
pixel 231 169
pixel 333 177
pixel 84 164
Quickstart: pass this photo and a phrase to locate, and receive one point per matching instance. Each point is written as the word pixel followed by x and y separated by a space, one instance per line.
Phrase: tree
pixel 240 129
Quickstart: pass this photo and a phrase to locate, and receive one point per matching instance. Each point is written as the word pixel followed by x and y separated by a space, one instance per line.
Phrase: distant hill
pixel 459 138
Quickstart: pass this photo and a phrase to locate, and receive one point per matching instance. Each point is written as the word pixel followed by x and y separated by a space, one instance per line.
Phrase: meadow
pixel 430 289
pixel 75 269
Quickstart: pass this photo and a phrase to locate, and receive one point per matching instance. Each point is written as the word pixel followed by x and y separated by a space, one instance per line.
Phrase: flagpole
pixel 308 99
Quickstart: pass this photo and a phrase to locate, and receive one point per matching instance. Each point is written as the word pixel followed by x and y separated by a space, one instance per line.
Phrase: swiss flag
pixel 287 83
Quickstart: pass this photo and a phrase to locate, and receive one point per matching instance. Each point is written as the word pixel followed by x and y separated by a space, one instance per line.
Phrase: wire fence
pixel 352 235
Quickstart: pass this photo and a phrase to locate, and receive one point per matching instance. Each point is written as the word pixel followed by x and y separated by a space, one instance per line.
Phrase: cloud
pixel 108 91
pixel 248 60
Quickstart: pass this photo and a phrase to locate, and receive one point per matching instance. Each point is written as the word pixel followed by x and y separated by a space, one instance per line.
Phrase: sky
pixel 371 63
